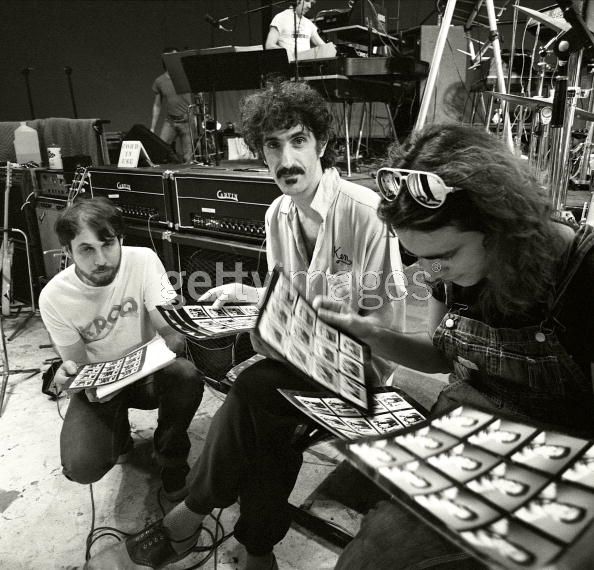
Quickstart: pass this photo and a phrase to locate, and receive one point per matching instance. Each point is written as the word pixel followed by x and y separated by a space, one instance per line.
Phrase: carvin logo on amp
pixel 227 196
pixel 122 186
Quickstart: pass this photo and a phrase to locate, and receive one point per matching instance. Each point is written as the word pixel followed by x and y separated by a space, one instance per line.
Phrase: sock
pixel 183 523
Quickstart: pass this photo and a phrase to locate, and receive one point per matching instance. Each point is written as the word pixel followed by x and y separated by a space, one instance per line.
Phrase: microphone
pixel 213 22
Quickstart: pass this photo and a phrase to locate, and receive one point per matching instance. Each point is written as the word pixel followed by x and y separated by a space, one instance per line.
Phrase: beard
pixel 98 278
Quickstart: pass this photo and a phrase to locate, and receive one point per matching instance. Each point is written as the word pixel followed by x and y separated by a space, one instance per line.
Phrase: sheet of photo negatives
pixel 202 321
pixel 509 492
pixel 335 360
pixel 389 411
pixel 101 373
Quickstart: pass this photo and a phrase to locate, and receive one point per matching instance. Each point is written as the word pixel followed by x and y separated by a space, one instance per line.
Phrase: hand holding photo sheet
pixel 326 356
pixel 202 321
pixel 512 494
pixel 104 378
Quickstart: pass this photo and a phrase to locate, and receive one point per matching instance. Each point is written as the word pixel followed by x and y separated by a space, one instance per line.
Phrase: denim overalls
pixel 525 371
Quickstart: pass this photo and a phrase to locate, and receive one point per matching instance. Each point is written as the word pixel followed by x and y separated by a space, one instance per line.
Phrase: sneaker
pixel 174 482
pixel 151 547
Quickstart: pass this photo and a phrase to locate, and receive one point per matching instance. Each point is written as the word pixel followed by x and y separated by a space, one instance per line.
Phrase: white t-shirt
pixel 111 320
pixel 285 24
pixel 353 248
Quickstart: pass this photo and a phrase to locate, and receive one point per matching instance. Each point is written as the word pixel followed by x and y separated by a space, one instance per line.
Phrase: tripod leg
pixel 499 69
pixel 5 365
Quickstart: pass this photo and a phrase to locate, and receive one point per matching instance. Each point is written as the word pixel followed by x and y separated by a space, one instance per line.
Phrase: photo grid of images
pixel 511 492
pixel 291 327
pixel 201 321
pixel 102 373
pixel 389 412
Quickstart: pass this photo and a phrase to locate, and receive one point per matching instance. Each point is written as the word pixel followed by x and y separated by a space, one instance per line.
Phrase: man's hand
pixel 67 370
pixel 341 316
pixel 230 293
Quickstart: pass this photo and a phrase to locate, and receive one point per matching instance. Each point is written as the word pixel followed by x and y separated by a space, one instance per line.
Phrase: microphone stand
pixel 572 45
pixel 25 72
pixel 294 5
pixel 564 104
pixel 217 22
pixel 68 72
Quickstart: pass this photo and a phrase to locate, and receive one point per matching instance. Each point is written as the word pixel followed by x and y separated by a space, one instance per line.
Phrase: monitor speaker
pixel 158 150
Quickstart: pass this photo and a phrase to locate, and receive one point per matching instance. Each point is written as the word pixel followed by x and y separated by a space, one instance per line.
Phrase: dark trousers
pixel 248 455
pixel 94 434
pixel 393 538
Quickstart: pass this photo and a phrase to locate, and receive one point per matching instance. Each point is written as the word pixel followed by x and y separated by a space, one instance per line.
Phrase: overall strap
pixel 583 242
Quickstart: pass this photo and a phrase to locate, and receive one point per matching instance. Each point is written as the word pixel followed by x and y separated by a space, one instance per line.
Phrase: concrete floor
pixel 45 519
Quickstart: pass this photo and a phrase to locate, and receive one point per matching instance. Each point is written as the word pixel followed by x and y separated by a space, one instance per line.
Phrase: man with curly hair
pixel 325 233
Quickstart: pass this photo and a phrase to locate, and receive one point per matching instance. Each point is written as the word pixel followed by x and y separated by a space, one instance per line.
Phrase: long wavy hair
pixel 284 105
pixel 501 198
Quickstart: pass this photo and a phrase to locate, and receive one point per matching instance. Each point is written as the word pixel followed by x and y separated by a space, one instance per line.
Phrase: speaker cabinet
pixel 204 263
pixel 158 150
pixel 47 211
pixel 156 239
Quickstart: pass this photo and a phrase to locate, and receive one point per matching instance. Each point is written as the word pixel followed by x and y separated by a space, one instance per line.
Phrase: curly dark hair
pixel 99 214
pixel 284 105
pixel 501 198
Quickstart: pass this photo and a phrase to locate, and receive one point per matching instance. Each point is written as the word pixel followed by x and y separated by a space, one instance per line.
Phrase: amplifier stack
pixel 142 193
pixel 223 203
pixel 216 202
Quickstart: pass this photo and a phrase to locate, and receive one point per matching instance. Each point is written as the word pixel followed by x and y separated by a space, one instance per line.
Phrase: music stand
pixel 209 71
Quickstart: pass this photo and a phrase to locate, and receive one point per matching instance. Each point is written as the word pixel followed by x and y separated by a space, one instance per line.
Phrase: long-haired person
pixel 511 315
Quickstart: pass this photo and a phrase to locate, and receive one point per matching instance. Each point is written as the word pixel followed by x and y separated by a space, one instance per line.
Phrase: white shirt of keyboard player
pixel 285 24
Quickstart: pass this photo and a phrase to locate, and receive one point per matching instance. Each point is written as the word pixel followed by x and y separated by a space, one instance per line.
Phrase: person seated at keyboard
pixel 282 29
pixel 325 232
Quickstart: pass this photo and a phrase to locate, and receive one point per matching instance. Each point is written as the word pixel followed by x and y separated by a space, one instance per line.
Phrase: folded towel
pixel 73 136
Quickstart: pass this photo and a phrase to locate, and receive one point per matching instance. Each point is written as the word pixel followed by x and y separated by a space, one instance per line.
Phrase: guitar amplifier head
pixel 141 193
pixel 224 203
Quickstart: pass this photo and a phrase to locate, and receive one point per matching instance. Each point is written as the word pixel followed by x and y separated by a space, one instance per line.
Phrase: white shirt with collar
pixel 353 247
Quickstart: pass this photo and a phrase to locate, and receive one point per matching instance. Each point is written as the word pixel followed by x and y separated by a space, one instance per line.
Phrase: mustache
pixel 283 171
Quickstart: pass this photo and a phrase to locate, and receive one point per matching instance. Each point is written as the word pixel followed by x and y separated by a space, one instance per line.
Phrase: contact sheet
pixel 201 321
pixel 389 411
pixel 508 491
pixel 330 358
